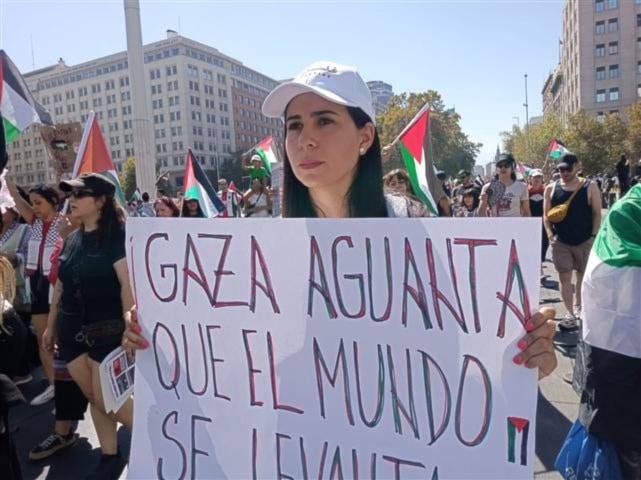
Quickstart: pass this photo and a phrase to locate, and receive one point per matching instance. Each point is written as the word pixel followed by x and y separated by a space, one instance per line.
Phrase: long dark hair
pixel 365 196
pixel 112 217
pixel 47 192
pixel 185 210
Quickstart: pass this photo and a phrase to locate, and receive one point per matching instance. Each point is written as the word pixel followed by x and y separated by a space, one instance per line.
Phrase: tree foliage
pixel 633 142
pixel 597 143
pixel 452 150
pixel 128 177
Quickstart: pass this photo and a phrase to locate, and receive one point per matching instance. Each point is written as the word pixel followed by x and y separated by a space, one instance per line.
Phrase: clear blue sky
pixel 474 53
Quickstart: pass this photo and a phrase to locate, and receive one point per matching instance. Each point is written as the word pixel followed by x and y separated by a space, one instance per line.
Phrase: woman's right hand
pixel 48 339
pixel 131 338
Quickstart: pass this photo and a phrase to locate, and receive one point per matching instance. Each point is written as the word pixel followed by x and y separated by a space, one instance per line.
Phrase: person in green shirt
pixel 256 170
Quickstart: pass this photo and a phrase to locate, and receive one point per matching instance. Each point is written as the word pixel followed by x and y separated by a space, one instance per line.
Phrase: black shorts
pixel 73 343
pixel 39 284
pixel 70 402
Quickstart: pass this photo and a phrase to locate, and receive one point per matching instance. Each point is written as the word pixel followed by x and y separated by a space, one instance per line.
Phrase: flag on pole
pixel 414 144
pixel 18 107
pixel 266 151
pixel 557 149
pixel 94 157
pixel 198 187
pixel 523 171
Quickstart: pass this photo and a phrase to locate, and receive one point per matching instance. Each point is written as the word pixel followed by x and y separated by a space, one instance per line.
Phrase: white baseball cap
pixel 340 84
pixel 536 172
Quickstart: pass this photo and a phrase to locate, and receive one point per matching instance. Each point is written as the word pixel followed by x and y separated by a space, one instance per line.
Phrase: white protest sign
pixel 374 348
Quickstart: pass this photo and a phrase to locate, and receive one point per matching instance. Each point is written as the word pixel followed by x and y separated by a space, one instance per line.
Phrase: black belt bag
pixel 104 332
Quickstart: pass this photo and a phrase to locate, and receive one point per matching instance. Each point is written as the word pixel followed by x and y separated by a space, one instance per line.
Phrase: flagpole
pixel 420 112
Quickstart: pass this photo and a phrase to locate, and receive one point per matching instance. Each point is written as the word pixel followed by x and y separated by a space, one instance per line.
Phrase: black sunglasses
pixel 80 194
pixel 565 169
pixel 503 165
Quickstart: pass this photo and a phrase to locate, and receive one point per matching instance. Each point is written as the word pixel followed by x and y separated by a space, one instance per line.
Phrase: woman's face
pixel 257 186
pixel 163 210
pixel 8 217
pixel 85 207
pixel 536 181
pixel 468 200
pixel 323 143
pixel 397 184
pixel 192 205
pixel 41 207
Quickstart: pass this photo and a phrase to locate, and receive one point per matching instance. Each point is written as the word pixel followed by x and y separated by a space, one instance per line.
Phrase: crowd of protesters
pixel 70 284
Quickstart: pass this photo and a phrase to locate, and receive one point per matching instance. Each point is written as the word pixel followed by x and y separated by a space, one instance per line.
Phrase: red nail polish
pixel 145 344
pixel 522 344
pixel 529 326
pixel 137 328
pixel 518 360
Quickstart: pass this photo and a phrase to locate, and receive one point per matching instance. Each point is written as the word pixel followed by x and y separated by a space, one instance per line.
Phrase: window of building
pixel 599 5
pixel 638 19
pixel 613 48
pixel 600 50
pixel 614 71
pixel 613 25
pixel 613 3
pixel 600 96
pixel 614 94
pixel 600 73
pixel 638 67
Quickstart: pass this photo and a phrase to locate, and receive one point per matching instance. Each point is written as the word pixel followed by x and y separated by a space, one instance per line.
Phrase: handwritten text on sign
pixel 333 349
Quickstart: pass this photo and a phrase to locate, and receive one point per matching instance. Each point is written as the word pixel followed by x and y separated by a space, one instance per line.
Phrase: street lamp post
pixel 518 122
pixel 527 122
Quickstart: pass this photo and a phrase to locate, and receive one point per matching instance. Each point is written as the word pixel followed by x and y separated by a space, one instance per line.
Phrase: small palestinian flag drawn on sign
pixel 515 426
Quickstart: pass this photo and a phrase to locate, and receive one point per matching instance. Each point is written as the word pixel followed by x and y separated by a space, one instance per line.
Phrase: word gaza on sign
pixel 374 348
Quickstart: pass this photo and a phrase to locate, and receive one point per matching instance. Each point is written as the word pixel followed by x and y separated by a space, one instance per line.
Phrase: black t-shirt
pixel 94 284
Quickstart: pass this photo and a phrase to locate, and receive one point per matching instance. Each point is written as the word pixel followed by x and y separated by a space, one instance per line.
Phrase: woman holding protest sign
pixel 333 169
pixel 91 292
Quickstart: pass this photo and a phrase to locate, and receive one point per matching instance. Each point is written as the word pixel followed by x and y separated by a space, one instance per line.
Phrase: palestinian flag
pixel 414 143
pixel 556 149
pixel 94 157
pixel 17 105
pixel 610 404
pixel 267 152
pixel 523 170
pixel 198 187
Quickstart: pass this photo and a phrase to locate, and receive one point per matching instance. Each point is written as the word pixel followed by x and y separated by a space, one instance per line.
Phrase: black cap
pixel 567 160
pixel 441 175
pixel 463 174
pixel 97 183
pixel 506 158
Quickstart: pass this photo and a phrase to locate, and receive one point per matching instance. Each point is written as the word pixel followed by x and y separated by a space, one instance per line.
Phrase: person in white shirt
pixel 515 201
pixel 229 199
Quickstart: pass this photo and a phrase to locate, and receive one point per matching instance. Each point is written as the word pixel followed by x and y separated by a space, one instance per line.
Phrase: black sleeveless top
pixel 576 228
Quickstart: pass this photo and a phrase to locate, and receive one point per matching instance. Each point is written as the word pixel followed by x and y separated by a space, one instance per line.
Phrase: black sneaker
pixel 110 467
pixel 51 445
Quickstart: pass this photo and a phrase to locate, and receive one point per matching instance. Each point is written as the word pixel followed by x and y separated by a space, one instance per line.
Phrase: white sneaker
pixel 44 397
pixel 569 323
pixel 577 311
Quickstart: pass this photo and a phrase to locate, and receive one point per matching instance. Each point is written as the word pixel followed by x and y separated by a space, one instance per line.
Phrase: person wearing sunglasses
pixel 92 292
pixel 515 201
pixel 571 239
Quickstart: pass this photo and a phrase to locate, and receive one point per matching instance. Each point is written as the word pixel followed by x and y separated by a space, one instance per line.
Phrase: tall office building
pixel 381 95
pixel 600 67
pixel 198 98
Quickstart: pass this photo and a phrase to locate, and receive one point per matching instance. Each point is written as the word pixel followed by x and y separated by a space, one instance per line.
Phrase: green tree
pixel 451 148
pixel 615 133
pixel 541 133
pixel 633 142
pixel 128 177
